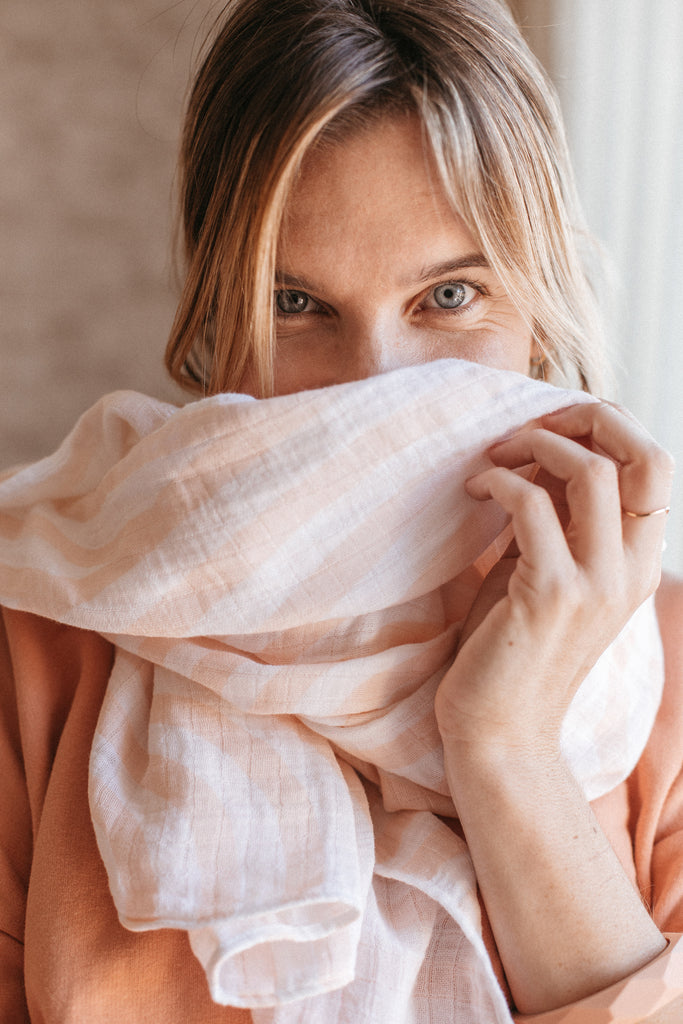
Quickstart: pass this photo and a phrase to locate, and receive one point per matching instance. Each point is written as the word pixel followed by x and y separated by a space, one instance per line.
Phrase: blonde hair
pixel 282 75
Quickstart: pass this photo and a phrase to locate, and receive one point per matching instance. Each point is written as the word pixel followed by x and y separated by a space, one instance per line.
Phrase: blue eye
pixel 450 295
pixel 290 301
pixel 453 296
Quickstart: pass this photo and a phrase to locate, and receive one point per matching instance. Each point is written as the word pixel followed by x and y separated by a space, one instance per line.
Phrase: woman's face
pixel 376 272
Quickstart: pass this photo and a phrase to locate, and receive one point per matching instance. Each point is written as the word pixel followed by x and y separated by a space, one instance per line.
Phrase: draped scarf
pixel 284 581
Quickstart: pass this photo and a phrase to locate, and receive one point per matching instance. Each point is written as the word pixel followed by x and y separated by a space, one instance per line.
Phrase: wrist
pixel 518 781
pixel 502 757
pixel 540 857
pixel 514 730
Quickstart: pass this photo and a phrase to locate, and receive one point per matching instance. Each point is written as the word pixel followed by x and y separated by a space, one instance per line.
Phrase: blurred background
pixel 91 99
pixel 618 68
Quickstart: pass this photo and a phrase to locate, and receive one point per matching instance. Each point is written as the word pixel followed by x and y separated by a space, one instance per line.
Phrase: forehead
pixel 376 192
pixel 392 153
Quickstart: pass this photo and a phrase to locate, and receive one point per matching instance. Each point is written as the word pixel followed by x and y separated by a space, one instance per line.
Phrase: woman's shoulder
pixel 56 647
pixel 45 667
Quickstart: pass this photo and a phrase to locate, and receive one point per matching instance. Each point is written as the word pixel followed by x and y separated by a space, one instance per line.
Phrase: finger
pixel 646 468
pixel 645 475
pixel 591 488
pixel 539 535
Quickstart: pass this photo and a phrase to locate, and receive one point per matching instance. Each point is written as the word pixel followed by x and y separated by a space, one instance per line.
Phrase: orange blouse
pixel 65 958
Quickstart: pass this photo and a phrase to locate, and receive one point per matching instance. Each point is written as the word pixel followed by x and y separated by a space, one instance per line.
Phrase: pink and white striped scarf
pixel 284 581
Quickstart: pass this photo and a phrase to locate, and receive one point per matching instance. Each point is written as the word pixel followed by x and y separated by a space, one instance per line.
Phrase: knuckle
pixel 647 581
pixel 662 461
pixel 562 592
pixel 611 596
pixel 601 471
pixel 657 465
pixel 558 595
pixel 535 502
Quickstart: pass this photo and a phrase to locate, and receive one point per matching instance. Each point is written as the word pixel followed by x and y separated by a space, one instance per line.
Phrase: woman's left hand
pixel 566 918
pixel 544 616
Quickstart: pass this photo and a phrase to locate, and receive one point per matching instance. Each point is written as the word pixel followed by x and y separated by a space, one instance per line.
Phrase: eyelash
pixel 463 309
pixel 454 311
pixel 296 291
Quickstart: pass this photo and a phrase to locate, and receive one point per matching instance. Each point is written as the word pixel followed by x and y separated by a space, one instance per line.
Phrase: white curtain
pixel 618 67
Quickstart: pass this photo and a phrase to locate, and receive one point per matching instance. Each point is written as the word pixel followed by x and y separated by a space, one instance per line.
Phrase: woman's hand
pixel 580 569
pixel 566 919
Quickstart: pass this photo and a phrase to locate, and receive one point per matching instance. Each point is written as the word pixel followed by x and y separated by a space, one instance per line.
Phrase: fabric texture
pixel 284 583
pixel 65 958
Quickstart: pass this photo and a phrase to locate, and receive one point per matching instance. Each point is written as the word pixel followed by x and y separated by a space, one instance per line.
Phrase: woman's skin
pixel 376 272
pixel 367 239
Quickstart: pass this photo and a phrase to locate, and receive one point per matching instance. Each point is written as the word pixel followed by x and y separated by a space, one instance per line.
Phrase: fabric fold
pixel 285 581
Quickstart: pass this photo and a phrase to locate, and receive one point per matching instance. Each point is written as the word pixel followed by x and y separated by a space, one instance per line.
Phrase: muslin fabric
pixel 285 581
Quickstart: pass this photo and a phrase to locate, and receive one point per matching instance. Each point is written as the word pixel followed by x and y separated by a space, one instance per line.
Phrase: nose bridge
pixel 378 342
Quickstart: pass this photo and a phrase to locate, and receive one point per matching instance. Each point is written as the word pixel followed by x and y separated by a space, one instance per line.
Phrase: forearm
pixel 566 919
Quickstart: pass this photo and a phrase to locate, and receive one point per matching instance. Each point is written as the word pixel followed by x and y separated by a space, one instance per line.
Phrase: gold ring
pixel 643 515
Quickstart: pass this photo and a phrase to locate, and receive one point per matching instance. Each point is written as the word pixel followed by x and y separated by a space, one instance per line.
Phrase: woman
pixel 332 775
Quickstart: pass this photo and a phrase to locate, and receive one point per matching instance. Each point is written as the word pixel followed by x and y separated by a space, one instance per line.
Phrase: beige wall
pixel 91 95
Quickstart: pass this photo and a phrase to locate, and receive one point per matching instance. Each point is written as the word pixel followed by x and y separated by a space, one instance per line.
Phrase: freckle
pixel 511 643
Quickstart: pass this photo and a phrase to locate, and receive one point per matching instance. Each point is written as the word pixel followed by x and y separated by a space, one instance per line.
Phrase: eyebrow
pixel 293 281
pixel 470 259
pixel 427 273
